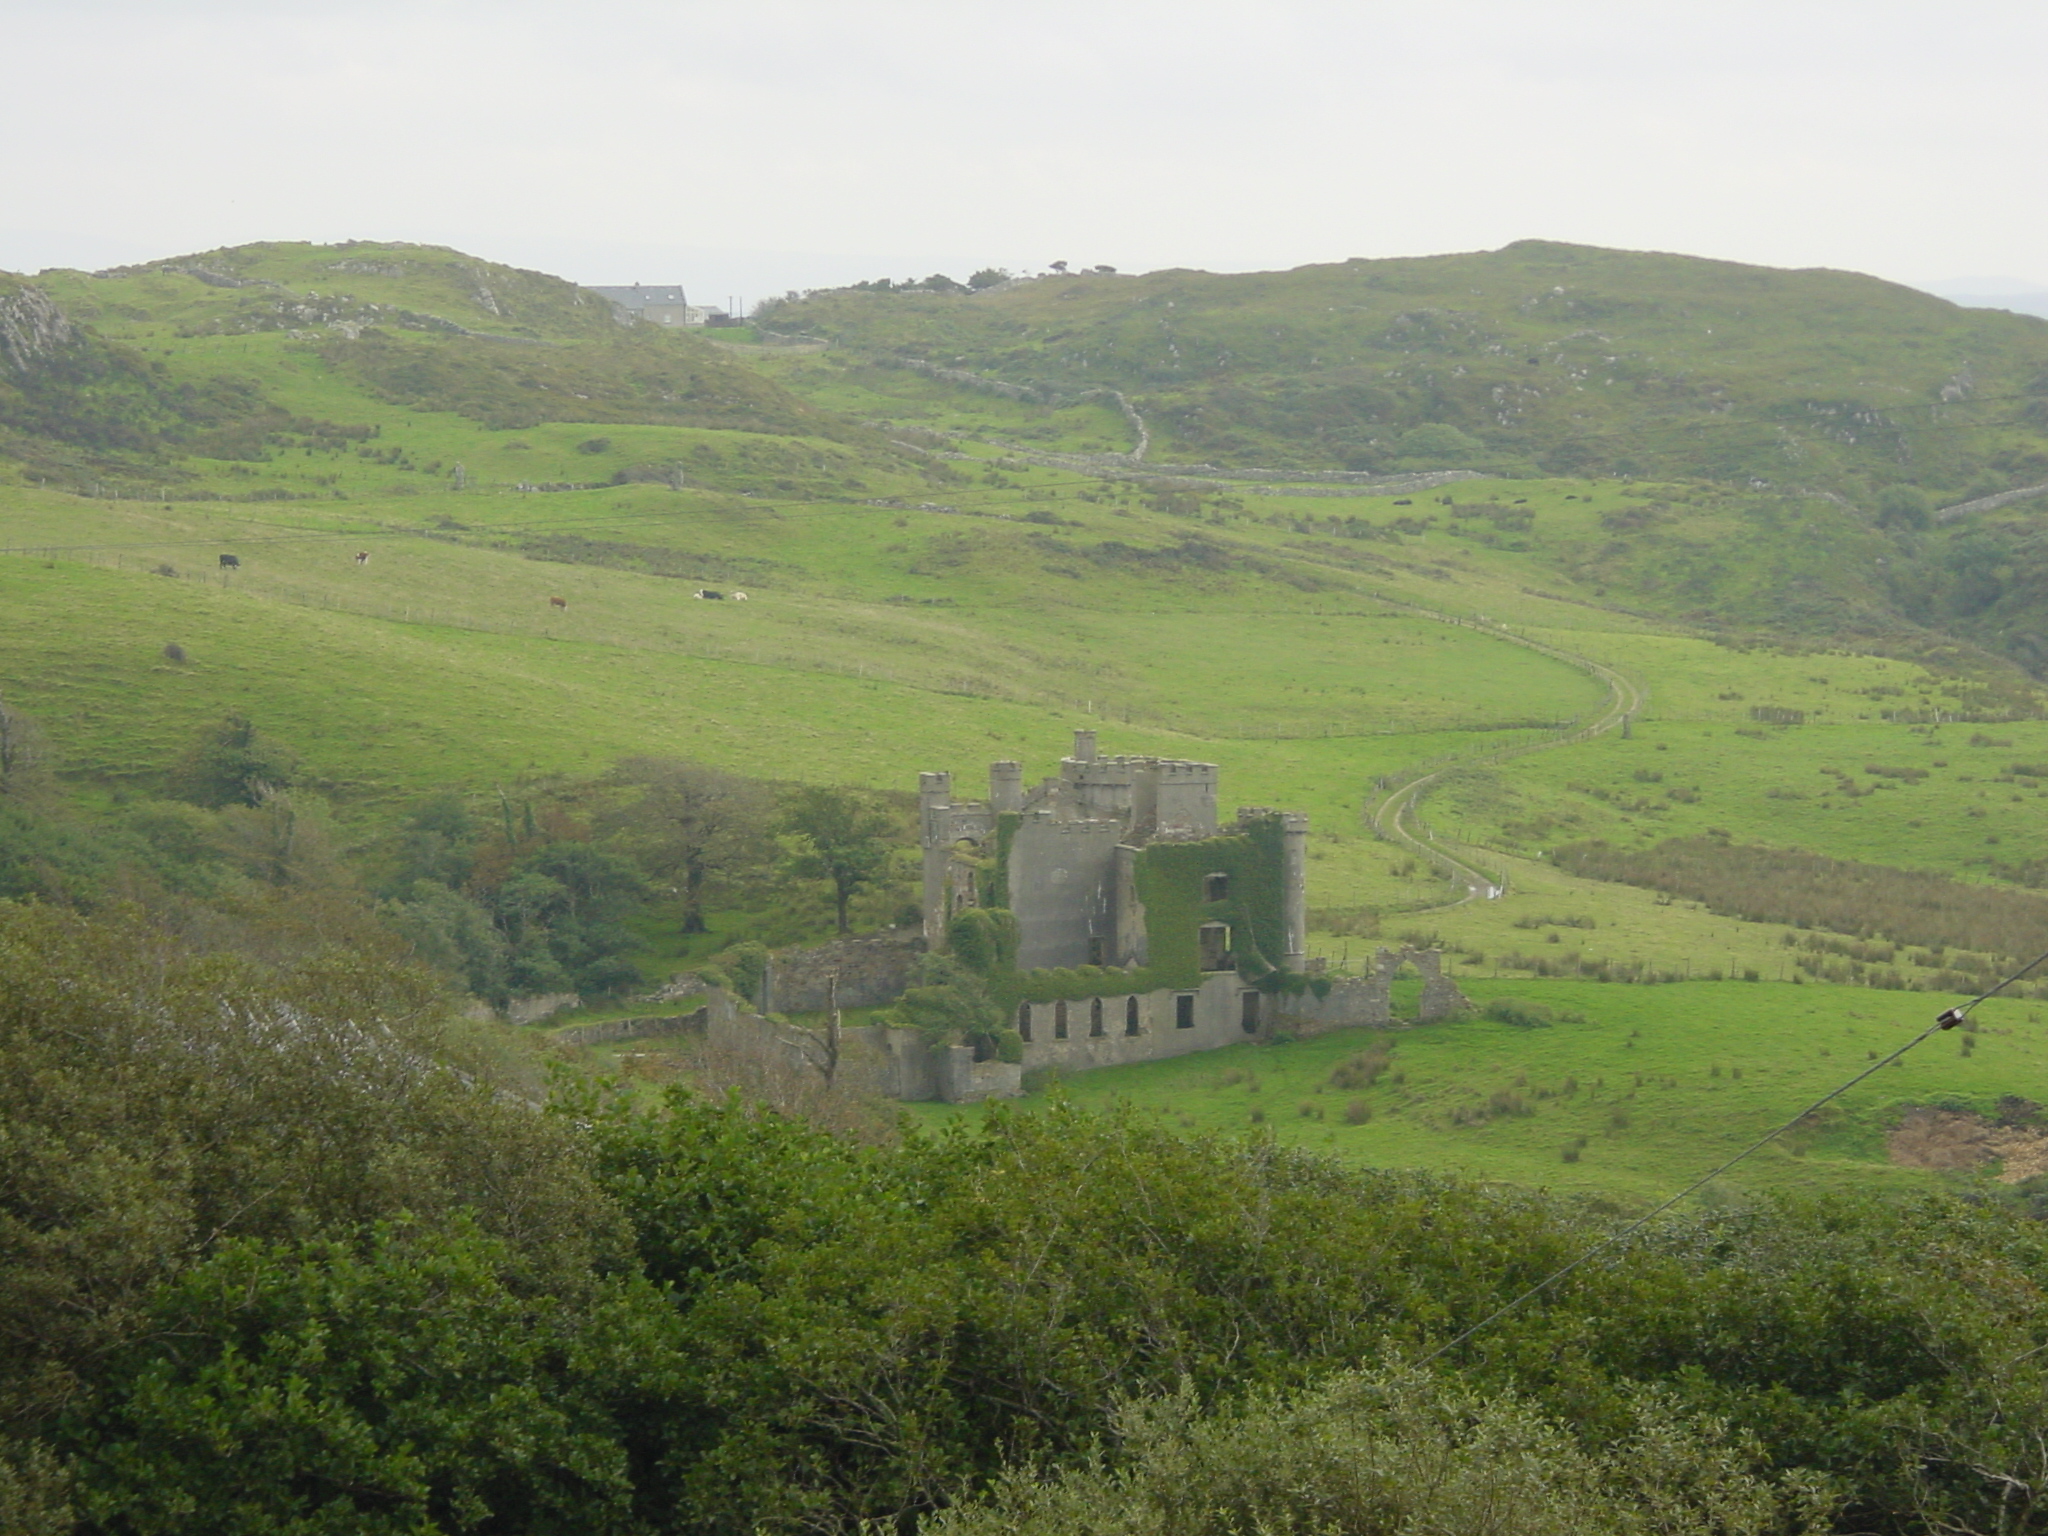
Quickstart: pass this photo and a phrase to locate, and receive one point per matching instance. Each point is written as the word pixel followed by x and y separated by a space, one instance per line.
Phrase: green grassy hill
pixel 925 594
pixel 1567 358
pixel 241 365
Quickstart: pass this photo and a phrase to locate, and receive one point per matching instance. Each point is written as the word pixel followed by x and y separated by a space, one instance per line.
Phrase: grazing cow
pixel 362 557
pixel 230 562
pixel 1404 502
pixel 559 602
pixel 739 597
pixel 706 592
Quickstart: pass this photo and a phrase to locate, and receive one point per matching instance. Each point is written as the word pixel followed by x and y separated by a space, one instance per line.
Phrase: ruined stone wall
pixel 872 971
pixel 963 1080
pixel 531 1010
pixel 647 1028
pixel 1218 1019
pixel 1356 1000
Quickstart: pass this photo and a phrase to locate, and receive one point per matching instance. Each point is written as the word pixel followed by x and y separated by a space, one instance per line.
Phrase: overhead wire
pixel 1948 1019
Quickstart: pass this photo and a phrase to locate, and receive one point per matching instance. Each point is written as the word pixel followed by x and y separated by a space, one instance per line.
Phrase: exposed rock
pixel 1952 1138
pixel 32 329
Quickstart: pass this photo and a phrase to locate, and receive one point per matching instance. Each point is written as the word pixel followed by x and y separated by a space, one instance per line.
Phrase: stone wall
pixel 645 1028
pixel 531 1010
pixel 963 1080
pixel 872 971
pixel 1356 1000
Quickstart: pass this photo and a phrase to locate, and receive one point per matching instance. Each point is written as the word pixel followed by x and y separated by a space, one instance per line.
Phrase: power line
pixel 1948 1019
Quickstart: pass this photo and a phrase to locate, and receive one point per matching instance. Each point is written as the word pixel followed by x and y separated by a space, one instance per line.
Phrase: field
pixel 923 594
pixel 1648 1086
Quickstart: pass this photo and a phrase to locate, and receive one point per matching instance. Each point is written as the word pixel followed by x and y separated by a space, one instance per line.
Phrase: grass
pixel 913 612
pixel 1654 1085
pixel 1567 356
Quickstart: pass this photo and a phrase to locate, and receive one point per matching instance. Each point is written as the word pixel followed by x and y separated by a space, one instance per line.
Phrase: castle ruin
pixel 1143 928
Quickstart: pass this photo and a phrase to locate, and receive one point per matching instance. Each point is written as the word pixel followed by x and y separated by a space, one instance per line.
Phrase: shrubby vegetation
pixel 551 893
pixel 1808 891
pixel 282 1251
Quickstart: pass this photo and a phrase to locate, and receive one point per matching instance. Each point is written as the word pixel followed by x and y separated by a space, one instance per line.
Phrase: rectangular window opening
pixel 1184 1010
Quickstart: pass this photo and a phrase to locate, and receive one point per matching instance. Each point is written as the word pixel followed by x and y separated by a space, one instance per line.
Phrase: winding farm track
pixel 1393 816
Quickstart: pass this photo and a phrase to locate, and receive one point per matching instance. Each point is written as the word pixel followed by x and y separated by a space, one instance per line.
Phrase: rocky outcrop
pixel 32 329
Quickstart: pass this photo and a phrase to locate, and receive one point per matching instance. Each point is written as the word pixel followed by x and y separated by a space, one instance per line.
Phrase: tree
pixel 840 836
pixel 692 827
pixel 562 911
pixel 1903 506
pixel 231 764
pixel 396 1385
pixel 157 1107
pixel 952 1003
pixel 988 277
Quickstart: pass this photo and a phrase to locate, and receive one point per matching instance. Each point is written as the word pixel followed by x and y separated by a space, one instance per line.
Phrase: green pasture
pixel 1304 700
pixel 990 606
pixel 1938 802
pixel 1653 1085
pixel 1550 915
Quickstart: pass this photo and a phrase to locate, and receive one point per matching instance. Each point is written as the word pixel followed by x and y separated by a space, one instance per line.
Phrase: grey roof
pixel 638 297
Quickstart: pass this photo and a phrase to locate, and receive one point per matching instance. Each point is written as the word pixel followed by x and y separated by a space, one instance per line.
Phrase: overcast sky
pixel 751 146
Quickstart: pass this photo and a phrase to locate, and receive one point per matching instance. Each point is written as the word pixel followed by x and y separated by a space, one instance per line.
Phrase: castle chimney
pixel 1084 746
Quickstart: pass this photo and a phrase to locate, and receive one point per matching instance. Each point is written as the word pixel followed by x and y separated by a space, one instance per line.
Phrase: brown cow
pixel 558 602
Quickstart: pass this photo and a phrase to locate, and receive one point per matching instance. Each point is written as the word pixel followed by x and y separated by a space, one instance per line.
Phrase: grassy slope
pixel 1656 1095
pixel 1571 356
pixel 1254 631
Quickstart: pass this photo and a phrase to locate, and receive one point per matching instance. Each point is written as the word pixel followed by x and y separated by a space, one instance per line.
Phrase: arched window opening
pixel 1059 1021
pixel 1024 1021
pixel 1130 1016
pixel 1095 1029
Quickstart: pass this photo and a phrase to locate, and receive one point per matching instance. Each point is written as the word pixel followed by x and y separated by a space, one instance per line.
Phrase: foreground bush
pixel 1389 1454
pixel 279 1251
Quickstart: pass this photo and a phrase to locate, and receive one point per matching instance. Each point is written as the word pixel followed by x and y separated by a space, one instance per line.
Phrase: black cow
pixel 230 562
pixel 707 592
